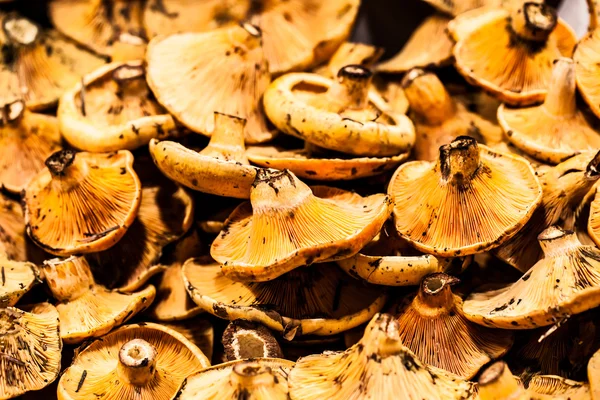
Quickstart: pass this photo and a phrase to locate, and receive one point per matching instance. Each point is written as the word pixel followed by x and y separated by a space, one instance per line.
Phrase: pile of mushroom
pixel 229 199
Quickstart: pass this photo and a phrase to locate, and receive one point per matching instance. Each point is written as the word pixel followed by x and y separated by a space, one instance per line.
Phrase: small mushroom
pixel 379 366
pixel 16 278
pixel 587 60
pixel 470 200
pixel 344 114
pixel 30 349
pixel 594 375
pixel 256 379
pixel 113 110
pixel 244 339
pixel 81 202
pixel 286 224
pixel 143 360
pixel 86 309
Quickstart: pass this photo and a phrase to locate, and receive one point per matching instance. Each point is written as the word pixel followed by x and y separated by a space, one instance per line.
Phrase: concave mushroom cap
pixel 428 46
pixel 563 283
pixel 344 114
pixel 113 110
pixel 439 118
pixel 470 200
pixel 199 331
pixel 593 371
pixel 379 366
pixel 433 326
pixel 587 59
pixel 195 74
pixel 564 188
pixel 351 53
pixel 88 310
pixel 39 65
pixel 31 349
pixel 287 224
pixel 16 278
pixel 96 24
pixel 319 300
pixel 244 339
pixel 456 8
pixel 311 30
pixel 221 168
pixel 514 61
pixel 26 140
pixel 256 379
pixel 143 360
pixel 82 202
pixel 165 214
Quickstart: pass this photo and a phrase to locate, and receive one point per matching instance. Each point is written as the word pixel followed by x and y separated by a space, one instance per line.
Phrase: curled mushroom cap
pixel 514 61
pixel 256 379
pixel 136 361
pixel 563 283
pixel 113 110
pixel 287 224
pixel 587 57
pixel 195 74
pixel 31 349
pixel 245 339
pixel 379 366
pixel 221 168
pixel 87 309
pixel 470 200
pixel 26 140
pixel 344 114
pixel 593 371
pixel 319 299
pixel 82 202
pixel 16 278
pixel 39 65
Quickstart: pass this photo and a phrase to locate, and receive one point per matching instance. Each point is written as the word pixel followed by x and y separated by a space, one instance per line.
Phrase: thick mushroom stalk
pixel 351 88
pixel 459 160
pixel 20 30
pixel 428 97
pixel 277 189
pixel 250 375
pixel 13 112
pixel 227 139
pixel 497 382
pixel 560 100
pixel 137 362
pixel 534 21
pixel 435 292
pixel 68 279
pixel 555 241
pixel 65 169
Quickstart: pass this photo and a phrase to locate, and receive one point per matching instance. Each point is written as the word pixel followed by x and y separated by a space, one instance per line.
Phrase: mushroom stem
pixel 459 160
pixel 68 278
pixel 249 375
pixel 277 189
pixel 351 89
pixel 137 362
pixel 428 97
pixel 435 293
pixel 20 30
pixel 65 169
pixel 227 139
pixel 554 241
pixel 560 100
pixel 497 382
pixel 534 21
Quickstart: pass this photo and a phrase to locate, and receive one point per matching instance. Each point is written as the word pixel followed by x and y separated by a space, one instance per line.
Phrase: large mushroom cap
pixel 16 278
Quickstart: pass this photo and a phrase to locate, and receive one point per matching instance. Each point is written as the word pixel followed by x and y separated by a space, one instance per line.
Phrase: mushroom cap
pixel 115 110
pixel 325 301
pixel 286 225
pixel 593 371
pixel 31 349
pixel 82 202
pixel 16 278
pixel 556 387
pixel 98 369
pixel 469 201
pixel 244 339
pixel 255 379
pixel 462 25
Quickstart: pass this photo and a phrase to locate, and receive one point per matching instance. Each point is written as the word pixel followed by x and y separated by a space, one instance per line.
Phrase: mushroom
pixel 31 349
pixel 86 309
pixel 199 331
pixel 221 168
pixel 594 375
pixel 113 110
pixel 587 58
pixel 317 300
pixel 39 65
pixel 345 114
pixel 563 283
pixel 81 202
pixel 514 61
pixel 350 53
pixel 195 74
pixel 256 379
pixel 470 200
pixel 16 278
pixel 439 119
pixel 379 366
pixel 143 360
pixel 286 224
pixel 96 24
pixel 244 339
pixel 26 140
pixel 564 187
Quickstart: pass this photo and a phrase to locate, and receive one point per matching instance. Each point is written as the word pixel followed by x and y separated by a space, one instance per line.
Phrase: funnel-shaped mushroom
pixel 379 366
pixel 39 65
pixel 587 60
pixel 351 53
pixel 82 202
pixel 563 283
pixel 513 60
pixel 286 225
pixel 470 200
pixel 31 349
pixel 244 339
pixel 256 379
pixel 135 361
pixel 16 278
pixel 86 309
pixel 113 110
pixel 26 140
pixel 221 168
pixel 195 74
pixel 317 300
pixel 344 114
pixel 594 375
